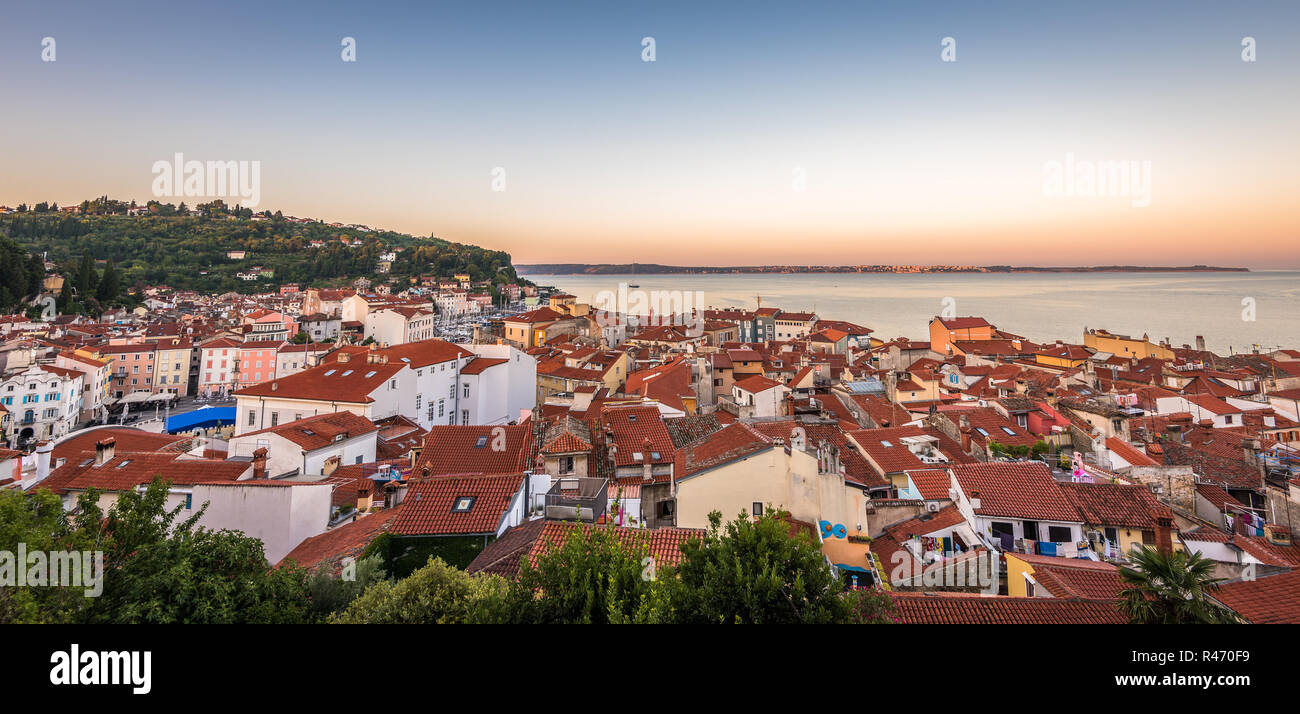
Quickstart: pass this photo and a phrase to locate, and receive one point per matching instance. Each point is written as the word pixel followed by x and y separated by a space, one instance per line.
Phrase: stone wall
pixel 1178 483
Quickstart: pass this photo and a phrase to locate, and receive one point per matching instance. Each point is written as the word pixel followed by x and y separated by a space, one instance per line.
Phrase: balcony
pixel 575 498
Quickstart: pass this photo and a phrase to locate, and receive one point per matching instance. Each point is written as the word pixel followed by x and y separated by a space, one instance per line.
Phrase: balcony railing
pixel 576 498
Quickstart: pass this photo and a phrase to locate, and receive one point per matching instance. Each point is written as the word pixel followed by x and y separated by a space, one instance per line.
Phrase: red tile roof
pixel 955 609
pixel 1272 599
pixel 1217 497
pixel 128 469
pixel 127 439
pixel 757 383
pixel 543 314
pixel 1074 577
pixel 457 449
pixel 733 442
pixel 428 503
pixel 1115 505
pixel 1016 489
pixel 933 484
pixel 349 540
pixel 1129 453
pixel 318 432
pixel 480 364
pixel 632 427
pixel 349 382
pixel 926 524
pixel 961 323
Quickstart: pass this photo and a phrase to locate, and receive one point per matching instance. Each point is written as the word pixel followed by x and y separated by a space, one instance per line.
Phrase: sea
pixel 1234 311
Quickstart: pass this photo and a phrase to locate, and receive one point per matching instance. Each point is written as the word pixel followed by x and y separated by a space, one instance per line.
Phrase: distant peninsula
pixel 656 269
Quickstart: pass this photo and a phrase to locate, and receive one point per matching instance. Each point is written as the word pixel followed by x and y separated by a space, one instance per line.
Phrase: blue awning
pixel 203 418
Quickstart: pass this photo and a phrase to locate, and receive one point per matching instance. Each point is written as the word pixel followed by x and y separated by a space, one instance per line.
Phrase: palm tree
pixel 1170 589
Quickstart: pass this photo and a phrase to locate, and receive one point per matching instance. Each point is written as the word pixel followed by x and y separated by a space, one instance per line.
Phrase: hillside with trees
pixel 188 249
pixel 20 274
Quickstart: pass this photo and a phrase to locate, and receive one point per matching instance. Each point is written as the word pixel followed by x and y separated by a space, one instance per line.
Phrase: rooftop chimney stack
pixel 43 452
pixel 104 449
pixel 259 462
pixel 1164 540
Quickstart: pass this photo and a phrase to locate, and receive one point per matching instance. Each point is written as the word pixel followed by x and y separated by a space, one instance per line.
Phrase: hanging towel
pixel 1067 550
pixel 1007 541
pixel 1047 548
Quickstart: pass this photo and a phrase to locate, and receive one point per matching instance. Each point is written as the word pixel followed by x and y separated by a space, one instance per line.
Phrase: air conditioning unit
pixel 932 507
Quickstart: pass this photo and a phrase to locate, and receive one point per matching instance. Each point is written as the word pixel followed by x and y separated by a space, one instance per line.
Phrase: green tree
pixel 39 522
pixel 754 571
pixel 332 593
pixel 166 570
pixel 592 578
pixel 157 568
pixel 1170 589
pixel 87 278
pixel 110 283
pixel 434 594
pixel 65 302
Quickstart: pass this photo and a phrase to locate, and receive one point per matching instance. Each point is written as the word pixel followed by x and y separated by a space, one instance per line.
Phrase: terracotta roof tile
pixel 428 504
pixel 348 540
pixel 1016 489
pixel 1272 599
pixel 954 609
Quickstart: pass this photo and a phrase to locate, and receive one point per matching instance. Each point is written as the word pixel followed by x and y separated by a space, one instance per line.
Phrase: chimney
pixel 647 468
pixel 1200 343
pixel 259 463
pixel 975 500
pixel 43 451
pixel 104 449
pixel 1251 449
pixel 1164 539
pixel 415 454
pixel 965 433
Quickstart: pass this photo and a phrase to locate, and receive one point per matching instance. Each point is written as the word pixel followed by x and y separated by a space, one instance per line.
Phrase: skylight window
pixel 371 373
pixel 1008 431
pixel 346 373
pixel 885 443
pixel 481 442
pixel 638 456
pixel 124 463
pixel 329 372
pixel 981 431
pixel 462 504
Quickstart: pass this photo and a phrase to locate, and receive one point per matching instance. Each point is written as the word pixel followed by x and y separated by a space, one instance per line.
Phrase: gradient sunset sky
pixel 689 159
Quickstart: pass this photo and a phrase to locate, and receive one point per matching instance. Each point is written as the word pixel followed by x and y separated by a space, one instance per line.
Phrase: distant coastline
pixel 655 269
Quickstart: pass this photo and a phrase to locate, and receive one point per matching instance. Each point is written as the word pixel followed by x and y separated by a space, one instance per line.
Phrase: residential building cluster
pixel 906 459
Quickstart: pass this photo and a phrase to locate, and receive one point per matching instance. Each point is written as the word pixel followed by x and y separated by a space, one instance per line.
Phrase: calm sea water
pixel 1040 306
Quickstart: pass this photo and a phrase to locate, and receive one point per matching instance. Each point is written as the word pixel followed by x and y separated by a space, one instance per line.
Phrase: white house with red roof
pixel 1011 502
pixel 757 396
pixel 425 381
pixel 1202 407
pixel 43 401
pixel 313 445
pixel 399 324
